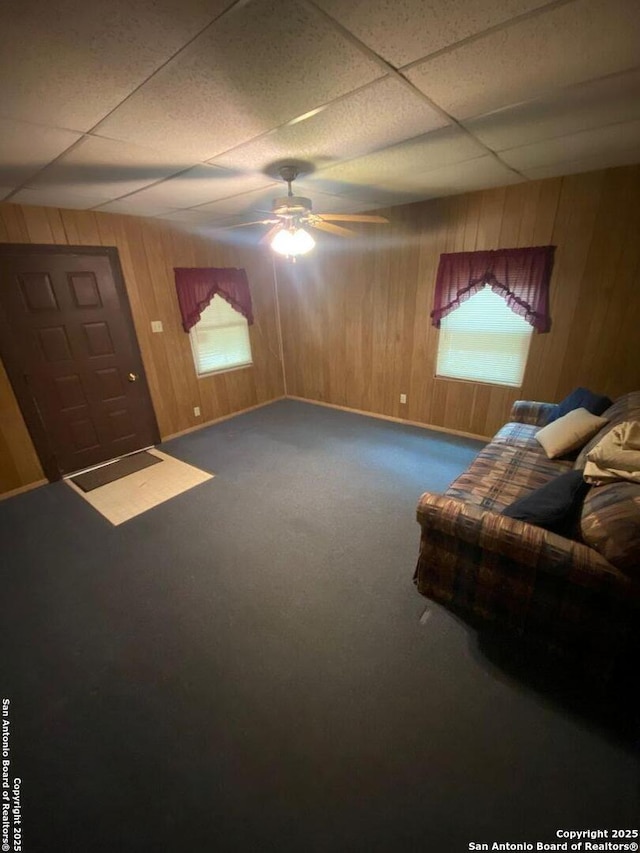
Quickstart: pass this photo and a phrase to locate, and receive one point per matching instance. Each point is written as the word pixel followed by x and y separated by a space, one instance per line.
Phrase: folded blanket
pixel 617 456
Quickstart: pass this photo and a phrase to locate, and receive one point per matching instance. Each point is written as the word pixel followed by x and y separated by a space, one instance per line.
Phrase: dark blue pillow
pixel 553 506
pixel 581 398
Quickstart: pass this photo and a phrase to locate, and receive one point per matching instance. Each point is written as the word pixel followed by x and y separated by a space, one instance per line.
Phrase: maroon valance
pixel 520 276
pixel 197 286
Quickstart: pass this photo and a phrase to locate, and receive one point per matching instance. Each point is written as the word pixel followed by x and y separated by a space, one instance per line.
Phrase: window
pixel 483 340
pixel 220 339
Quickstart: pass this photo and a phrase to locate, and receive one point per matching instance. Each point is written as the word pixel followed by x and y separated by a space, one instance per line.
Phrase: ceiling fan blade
pixel 245 224
pixel 355 217
pixel 332 229
pixel 271 233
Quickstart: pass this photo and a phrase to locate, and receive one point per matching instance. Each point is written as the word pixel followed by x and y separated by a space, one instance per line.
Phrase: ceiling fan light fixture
pixel 282 242
pixel 303 242
pixel 288 213
pixel 292 243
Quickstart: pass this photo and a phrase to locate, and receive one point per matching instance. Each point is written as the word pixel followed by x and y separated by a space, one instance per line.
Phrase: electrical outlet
pixel 403 398
pixel 196 411
pixel 156 326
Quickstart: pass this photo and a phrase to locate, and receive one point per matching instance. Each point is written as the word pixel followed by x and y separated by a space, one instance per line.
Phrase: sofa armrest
pixel 557 594
pixel 525 544
pixel 530 412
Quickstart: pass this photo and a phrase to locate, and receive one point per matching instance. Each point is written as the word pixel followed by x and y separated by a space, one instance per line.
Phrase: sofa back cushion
pixel 580 398
pixel 503 472
pixel 610 523
pixel 625 408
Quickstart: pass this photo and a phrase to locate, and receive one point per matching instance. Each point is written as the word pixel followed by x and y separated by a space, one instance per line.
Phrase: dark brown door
pixel 71 353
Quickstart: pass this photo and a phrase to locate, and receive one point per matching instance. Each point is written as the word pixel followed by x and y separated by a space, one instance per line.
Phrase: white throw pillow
pixel 569 432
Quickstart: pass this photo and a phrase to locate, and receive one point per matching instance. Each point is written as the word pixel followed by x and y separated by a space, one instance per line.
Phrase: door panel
pixel 72 355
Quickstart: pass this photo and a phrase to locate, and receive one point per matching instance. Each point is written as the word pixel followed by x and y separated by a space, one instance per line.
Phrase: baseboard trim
pixel 22 489
pixel 394 420
pixel 220 419
pixel 27 488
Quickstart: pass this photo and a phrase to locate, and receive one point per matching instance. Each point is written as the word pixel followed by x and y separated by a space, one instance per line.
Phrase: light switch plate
pixel 156 326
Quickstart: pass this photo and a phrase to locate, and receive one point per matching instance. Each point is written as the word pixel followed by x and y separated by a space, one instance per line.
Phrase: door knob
pixel 132 377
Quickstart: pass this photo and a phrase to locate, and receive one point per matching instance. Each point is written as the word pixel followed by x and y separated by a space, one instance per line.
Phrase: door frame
pixel 15 371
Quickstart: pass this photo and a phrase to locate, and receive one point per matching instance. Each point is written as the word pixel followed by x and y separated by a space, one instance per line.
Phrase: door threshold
pixel 108 462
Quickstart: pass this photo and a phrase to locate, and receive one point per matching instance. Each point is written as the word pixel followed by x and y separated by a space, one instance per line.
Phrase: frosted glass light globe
pixel 282 243
pixel 303 242
pixel 292 243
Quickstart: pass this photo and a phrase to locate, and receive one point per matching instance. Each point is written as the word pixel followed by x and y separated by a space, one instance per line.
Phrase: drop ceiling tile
pixel 598 161
pixel 68 63
pixel 260 66
pixel 132 206
pixel 600 102
pixel 566 45
pixel 405 30
pixel 47 197
pixel 477 174
pixel 196 217
pixel 602 141
pixel 379 115
pixel 360 177
pixel 200 185
pixel 25 148
pixel 106 169
pixel 256 203
pixel 359 196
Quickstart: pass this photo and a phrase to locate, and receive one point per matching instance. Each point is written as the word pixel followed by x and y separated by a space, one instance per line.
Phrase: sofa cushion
pixel 554 506
pixel 580 398
pixel 503 472
pixel 569 432
pixel 519 435
pixel 611 524
pixel 625 408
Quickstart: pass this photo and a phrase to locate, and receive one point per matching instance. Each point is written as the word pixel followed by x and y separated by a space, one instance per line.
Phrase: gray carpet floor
pixel 248 667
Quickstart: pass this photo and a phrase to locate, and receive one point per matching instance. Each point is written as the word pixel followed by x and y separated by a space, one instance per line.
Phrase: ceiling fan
pixel 292 215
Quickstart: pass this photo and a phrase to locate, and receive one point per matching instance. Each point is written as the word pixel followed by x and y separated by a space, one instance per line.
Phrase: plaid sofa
pixel 554 592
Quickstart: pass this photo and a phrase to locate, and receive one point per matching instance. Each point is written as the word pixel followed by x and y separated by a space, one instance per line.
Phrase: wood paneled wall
pixel 149 249
pixel 355 317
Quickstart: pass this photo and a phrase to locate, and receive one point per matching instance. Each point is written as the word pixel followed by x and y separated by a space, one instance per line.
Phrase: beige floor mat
pixel 138 492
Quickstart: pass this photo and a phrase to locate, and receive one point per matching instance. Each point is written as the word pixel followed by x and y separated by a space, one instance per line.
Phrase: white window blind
pixel 220 339
pixel 483 340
